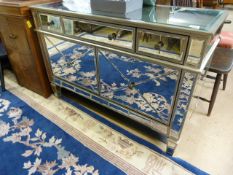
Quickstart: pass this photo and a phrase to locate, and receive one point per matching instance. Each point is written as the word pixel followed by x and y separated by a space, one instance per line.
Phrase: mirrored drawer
pixel 113 35
pixel 50 22
pixel 168 46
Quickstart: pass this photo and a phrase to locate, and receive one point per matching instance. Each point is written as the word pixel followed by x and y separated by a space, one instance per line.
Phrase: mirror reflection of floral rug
pixel 52 137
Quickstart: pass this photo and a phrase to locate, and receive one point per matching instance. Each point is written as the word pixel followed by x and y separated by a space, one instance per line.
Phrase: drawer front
pixel 72 62
pixel 169 47
pixel 50 23
pixel 18 35
pixel 116 36
pixel 14 35
pixel 144 87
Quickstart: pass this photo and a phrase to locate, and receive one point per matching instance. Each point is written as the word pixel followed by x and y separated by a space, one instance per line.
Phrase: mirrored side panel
pixel 99 32
pixel 143 87
pixel 195 52
pixel 50 23
pixel 185 94
pixel 72 62
pixel 168 46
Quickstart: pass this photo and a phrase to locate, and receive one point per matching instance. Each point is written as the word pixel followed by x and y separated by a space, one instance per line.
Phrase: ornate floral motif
pixel 143 86
pixel 70 64
pixel 126 154
pixel 4 104
pixel 19 129
pixel 154 165
pixel 122 145
pixel 183 101
pixel 132 82
pixel 4 128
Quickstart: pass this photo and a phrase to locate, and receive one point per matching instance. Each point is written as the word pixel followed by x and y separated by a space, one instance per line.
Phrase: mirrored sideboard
pixel 144 67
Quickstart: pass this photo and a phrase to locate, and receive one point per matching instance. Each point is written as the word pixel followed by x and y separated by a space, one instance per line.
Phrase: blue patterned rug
pixel 31 144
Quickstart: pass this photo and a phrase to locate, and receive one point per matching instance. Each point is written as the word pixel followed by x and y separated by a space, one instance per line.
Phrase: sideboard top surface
pixel 187 19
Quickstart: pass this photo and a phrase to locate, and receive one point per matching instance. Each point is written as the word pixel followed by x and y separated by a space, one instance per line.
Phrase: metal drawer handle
pixel 77 30
pixel 159 45
pixel 70 64
pixel 51 23
pixel 12 36
pixel 131 85
pixel 112 36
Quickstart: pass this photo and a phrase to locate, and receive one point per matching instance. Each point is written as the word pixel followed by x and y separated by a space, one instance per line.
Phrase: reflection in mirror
pixel 195 52
pixel 109 35
pixel 172 45
pixel 142 86
pixel 161 44
pixel 72 62
pixel 162 14
pixel 78 28
pixel 149 14
pixel 49 22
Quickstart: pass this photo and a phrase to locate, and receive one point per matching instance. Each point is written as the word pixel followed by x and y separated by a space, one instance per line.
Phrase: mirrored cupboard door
pixel 144 87
pixel 72 62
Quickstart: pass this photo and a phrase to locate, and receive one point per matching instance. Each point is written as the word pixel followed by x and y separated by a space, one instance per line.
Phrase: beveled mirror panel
pixel 77 28
pixel 50 22
pixel 195 52
pixel 101 33
pixel 170 47
pixel 72 62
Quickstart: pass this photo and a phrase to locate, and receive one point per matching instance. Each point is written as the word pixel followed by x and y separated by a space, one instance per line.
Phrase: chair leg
pixel 2 78
pixel 214 93
pixel 225 81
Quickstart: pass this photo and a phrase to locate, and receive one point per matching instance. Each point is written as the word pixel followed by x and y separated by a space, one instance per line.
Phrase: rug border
pixel 182 163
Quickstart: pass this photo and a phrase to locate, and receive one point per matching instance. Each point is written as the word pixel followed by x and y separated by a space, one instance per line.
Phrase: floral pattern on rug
pixel 19 130
pixel 147 161
pixel 183 102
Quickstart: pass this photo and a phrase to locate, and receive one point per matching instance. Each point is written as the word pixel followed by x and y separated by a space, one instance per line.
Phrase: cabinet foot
pixel 56 90
pixel 171 146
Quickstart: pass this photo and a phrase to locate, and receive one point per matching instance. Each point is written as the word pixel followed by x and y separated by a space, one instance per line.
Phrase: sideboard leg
pixel 56 90
pixel 171 146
